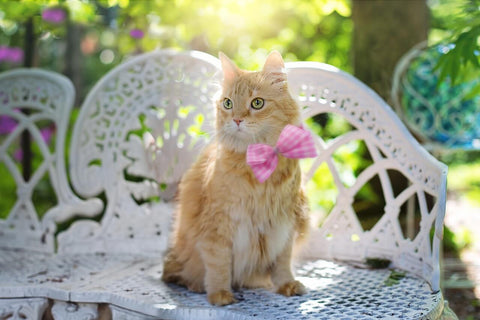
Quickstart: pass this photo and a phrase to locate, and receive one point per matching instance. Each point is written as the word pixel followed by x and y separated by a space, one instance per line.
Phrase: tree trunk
pixel 26 143
pixel 384 30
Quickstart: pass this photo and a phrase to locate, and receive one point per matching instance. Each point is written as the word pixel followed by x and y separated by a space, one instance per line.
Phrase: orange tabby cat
pixel 231 230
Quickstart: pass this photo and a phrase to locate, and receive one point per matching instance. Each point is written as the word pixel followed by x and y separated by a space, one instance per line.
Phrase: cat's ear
pixel 230 70
pixel 275 68
pixel 274 63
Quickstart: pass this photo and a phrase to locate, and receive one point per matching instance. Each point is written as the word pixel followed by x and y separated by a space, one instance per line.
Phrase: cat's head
pixel 254 106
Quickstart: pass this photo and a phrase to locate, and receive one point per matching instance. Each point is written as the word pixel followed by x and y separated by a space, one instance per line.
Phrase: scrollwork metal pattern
pixel 325 89
pixel 17 309
pixel 140 128
pixel 46 96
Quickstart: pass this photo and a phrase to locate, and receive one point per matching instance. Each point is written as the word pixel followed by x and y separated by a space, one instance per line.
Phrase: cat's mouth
pixel 239 130
pixel 241 134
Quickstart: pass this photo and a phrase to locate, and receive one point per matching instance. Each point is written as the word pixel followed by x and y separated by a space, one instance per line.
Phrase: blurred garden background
pixel 85 39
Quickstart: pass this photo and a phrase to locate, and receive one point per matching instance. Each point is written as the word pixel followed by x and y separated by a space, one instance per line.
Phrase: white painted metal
pixel 16 309
pixel 48 97
pixel 73 311
pixel 141 127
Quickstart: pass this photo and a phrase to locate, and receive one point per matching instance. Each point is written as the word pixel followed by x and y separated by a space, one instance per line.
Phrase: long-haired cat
pixel 230 229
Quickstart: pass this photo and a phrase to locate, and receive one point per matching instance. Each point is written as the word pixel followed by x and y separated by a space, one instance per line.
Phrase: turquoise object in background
pixel 443 113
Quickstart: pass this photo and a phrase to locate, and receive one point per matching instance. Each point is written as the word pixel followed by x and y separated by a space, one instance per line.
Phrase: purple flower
pixel 16 55
pixel 4 53
pixel 136 33
pixel 11 54
pixel 47 134
pixel 7 124
pixel 18 155
pixel 54 15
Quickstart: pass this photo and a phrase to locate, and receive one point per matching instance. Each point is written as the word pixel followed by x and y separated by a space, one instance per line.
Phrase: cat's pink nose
pixel 237 121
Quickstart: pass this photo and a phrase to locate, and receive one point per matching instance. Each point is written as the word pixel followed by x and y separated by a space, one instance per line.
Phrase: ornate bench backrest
pixel 163 94
pixel 323 89
pixel 33 103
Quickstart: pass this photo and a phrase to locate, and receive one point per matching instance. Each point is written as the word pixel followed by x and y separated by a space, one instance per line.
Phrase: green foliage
pixel 464 179
pixel 461 22
pixel 20 11
pixel 321 190
pixel 456 241
pixel 246 30
pixel 13 14
pixel 462 176
pixel 7 190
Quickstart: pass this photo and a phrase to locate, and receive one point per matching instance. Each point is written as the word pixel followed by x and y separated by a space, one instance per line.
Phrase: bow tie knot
pixel 293 142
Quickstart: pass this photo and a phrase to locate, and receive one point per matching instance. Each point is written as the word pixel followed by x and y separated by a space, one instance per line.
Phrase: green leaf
pixel 394 278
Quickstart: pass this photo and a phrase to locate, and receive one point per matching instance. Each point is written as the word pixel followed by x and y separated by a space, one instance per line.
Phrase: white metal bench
pixel 109 260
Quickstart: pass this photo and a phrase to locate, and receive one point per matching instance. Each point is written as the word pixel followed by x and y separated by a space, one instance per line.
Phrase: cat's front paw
pixel 292 288
pixel 221 298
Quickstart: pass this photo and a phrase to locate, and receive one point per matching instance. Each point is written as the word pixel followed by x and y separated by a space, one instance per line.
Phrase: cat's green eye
pixel 227 103
pixel 257 103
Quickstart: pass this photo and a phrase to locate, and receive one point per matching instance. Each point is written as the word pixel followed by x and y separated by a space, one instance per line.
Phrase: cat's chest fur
pixel 263 224
pixel 256 244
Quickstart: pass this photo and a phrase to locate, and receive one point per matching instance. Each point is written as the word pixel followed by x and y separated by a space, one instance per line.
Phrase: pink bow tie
pixel 294 143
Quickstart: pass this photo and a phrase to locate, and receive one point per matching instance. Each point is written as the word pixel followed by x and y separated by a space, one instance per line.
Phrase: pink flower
pixel 136 33
pixel 54 15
